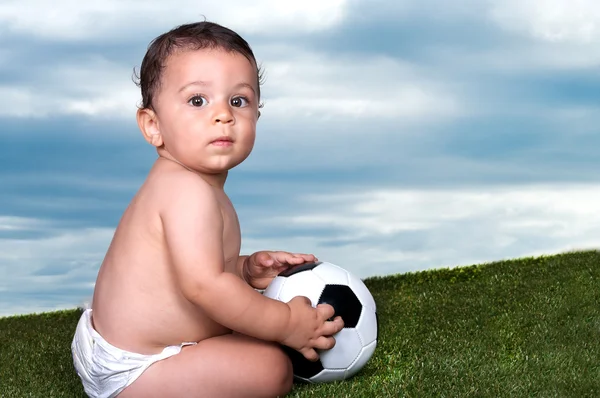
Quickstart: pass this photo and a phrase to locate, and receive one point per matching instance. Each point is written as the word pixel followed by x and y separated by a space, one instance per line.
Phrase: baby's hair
pixel 193 36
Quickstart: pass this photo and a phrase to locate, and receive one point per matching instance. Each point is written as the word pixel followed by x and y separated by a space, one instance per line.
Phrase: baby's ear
pixel 148 124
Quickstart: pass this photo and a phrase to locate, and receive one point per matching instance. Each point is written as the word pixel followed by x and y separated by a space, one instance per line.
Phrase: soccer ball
pixel 326 283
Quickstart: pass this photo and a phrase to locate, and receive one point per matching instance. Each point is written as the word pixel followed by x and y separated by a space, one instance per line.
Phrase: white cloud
pixel 407 10
pixel 326 87
pixel 69 249
pixel 30 103
pixel 60 268
pixel 538 57
pixel 575 21
pixel 17 101
pixel 109 19
pixel 97 88
pixel 382 232
pixel 551 34
pixel 14 223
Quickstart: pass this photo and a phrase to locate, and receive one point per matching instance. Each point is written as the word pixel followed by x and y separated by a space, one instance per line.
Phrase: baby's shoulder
pixel 180 189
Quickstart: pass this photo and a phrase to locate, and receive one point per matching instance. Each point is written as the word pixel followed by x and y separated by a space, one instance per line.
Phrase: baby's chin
pixel 222 165
pixel 210 166
pixel 214 170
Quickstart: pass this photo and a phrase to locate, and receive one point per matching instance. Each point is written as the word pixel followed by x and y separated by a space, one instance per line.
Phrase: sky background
pixel 396 135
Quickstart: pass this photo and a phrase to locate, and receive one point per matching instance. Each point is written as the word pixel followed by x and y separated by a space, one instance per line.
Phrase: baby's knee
pixel 281 373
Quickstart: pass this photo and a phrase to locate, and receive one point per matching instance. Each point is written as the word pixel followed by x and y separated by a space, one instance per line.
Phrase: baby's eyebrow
pixel 194 83
pixel 203 83
pixel 240 85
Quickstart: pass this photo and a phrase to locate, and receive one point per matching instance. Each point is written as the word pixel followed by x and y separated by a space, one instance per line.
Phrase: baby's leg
pixel 232 365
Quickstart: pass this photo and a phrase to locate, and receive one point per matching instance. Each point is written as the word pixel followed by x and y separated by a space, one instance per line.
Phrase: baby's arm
pixel 193 226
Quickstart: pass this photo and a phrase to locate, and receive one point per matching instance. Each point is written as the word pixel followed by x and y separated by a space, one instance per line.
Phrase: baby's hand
pixel 261 267
pixel 309 329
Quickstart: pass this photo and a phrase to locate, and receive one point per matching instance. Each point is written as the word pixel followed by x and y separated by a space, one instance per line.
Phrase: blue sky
pixel 396 136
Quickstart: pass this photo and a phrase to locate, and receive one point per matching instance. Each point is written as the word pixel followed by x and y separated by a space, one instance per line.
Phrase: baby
pixel 175 312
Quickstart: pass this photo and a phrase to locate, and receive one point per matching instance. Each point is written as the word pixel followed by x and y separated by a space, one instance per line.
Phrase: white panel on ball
pixel 328 375
pixel 346 349
pixel 367 326
pixel 331 273
pixel 304 283
pixel 272 291
pixel 361 291
pixel 361 361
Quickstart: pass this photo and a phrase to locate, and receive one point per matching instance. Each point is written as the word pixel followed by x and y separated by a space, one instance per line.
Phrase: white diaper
pixel 104 369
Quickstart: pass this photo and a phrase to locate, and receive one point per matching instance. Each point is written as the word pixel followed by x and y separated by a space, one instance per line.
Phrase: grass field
pixel 522 328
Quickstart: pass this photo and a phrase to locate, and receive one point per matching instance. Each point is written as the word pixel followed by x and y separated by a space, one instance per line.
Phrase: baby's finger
pixel 324 343
pixel 306 257
pixel 332 327
pixel 326 310
pixel 310 354
pixel 310 257
pixel 294 260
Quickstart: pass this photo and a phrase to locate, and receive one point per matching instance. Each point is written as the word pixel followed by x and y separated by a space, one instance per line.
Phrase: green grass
pixel 522 328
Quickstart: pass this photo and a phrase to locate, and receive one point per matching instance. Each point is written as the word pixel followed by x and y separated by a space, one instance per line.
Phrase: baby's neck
pixel 215 180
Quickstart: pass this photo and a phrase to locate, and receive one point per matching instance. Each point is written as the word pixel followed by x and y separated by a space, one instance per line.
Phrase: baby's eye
pixel 239 102
pixel 197 100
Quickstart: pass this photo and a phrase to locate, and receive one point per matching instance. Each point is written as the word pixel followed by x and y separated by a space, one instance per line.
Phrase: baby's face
pixel 207 108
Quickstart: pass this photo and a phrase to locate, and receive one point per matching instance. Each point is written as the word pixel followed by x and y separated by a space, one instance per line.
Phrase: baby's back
pixel 137 305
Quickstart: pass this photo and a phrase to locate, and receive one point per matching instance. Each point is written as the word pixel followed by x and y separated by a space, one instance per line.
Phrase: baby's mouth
pixel 223 141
